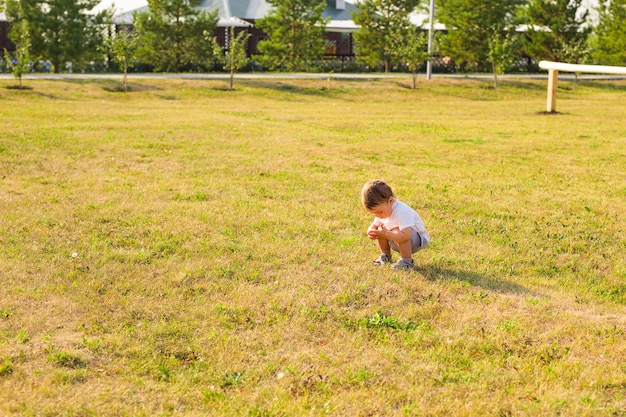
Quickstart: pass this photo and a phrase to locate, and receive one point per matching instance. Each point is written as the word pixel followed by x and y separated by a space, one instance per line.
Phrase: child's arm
pixel 397 235
pixel 379 231
pixel 373 229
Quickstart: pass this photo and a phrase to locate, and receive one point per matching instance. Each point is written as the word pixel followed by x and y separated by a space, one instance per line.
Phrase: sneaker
pixel 384 258
pixel 404 265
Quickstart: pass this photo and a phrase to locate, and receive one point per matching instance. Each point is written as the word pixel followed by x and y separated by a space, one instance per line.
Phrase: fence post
pixel 553 78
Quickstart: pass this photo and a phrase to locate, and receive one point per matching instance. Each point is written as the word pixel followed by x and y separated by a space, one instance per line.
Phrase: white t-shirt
pixel 403 216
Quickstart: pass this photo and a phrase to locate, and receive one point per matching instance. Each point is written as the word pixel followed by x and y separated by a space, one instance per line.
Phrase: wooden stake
pixel 553 78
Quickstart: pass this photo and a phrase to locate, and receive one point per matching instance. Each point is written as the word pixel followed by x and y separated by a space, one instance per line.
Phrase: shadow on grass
pixel 482 89
pixel 437 273
pixel 603 85
pixel 548 113
pixel 291 87
pixel 114 85
pixel 19 87
pixel 406 84
pixel 118 87
pixel 29 89
pixel 505 84
pixel 474 89
pixel 531 85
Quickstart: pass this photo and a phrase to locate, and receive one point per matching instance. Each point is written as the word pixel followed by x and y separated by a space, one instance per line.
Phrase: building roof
pixel 338 12
pixel 243 9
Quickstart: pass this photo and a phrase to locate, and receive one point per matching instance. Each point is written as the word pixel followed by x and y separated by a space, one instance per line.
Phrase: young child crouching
pixel 396 225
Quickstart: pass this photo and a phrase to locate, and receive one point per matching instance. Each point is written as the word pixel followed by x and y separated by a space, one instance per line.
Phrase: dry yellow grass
pixel 185 251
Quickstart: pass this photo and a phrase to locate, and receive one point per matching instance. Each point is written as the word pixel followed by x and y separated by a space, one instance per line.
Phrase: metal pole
pixel 431 33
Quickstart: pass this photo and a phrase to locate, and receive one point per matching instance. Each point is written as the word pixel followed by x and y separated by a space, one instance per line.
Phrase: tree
pixel 63 30
pixel 502 54
pixel 122 46
pixel 555 26
pixel 20 62
pixel 576 53
pixel 234 56
pixel 476 27
pixel 414 51
pixel 171 35
pixel 609 38
pixel 385 27
pixel 295 30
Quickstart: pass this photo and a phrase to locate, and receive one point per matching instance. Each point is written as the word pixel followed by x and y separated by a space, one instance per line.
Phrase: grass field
pixel 181 250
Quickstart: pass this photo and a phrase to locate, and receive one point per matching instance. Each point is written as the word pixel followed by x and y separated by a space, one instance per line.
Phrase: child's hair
pixel 375 192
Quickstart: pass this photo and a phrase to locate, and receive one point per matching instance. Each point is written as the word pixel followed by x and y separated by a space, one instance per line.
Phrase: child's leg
pixel 405 249
pixel 385 256
pixel 383 244
pixel 409 247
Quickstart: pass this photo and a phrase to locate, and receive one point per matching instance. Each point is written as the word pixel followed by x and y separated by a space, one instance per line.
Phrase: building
pixel 5 42
pixel 243 14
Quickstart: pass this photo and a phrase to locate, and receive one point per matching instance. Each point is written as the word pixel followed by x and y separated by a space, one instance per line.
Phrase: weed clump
pixel 66 360
pixel 382 321
pixel 6 367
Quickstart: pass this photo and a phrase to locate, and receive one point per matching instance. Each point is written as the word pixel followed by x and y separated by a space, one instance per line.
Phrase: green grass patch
pixel 66 360
pixel 6 367
pixel 382 321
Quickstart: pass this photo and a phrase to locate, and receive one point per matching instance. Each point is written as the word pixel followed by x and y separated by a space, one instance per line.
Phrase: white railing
pixel 553 76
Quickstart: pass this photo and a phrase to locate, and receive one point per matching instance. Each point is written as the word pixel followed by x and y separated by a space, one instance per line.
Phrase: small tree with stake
pixel 234 56
pixel 414 51
pixel 122 46
pixel 19 63
pixel 502 54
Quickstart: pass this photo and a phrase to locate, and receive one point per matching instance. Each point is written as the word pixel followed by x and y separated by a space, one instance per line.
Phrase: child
pixel 396 225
